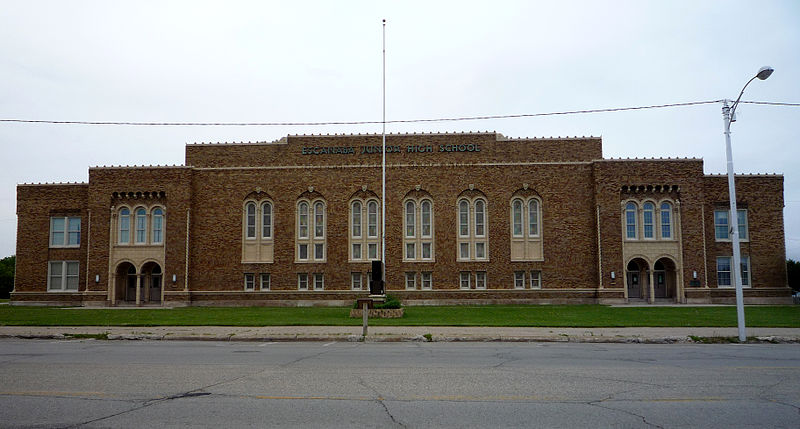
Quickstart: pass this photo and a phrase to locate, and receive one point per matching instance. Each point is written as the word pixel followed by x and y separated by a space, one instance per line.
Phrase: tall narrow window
pixel 251 220
pixel 124 226
pixel 319 281
pixel 418 239
pixel 57 231
pixel 410 219
pixel 480 280
pixel 302 281
pixel 724 271
pixel 302 211
pixel 480 218
pixel 141 225
pixel 472 237
pixel 741 218
pixel 666 221
pixel 533 218
pixel 536 279
pixel 364 217
pixel 648 210
pixel 311 231
pixel 630 221
pixel 266 220
pixel 427 280
pixel 158 226
pixel 426 218
pixel 319 220
pixel 355 281
pixel 249 281
pixel 526 237
pixel 355 218
pixel 519 279
pixel 411 280
pixel 265 281
pixel 465 279
pixel 463 219
pixel 372 219
pixel 516 218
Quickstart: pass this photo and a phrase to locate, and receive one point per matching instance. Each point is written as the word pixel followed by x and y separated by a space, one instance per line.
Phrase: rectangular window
pixel 519 279
pixel 319 281
pixel 465 279
pixel 426 250
pixel 372 249
pixel 464 250
pixel 480 250
pixel 65 231
pixel 265 280
pixel 302 281
pixel 249 281
pixel 355 281
pixel 356 250
pixel 722 227
pixel 158 227
pixel 63 276
pixel 302 252
pixel 427 280
pixel 319 251
pixel 411 251
pixel 480 280
pixel 536 279
pixel 411 280
pixel 124 227
pixel 724 271
pixel 141 226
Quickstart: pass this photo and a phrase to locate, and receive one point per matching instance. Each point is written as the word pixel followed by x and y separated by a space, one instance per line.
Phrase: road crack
pixel 379 399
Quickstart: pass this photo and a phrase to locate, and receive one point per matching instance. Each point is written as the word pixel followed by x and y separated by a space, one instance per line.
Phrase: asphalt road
pixel 158 383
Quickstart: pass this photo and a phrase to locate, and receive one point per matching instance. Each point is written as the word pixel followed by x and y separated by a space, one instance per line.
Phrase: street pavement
pixel 90 383
pixel 405 333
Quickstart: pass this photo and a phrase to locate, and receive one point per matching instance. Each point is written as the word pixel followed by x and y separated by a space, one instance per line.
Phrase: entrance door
pixel 660 288
pixel 155 287
pixel 130 294
pixel 634 287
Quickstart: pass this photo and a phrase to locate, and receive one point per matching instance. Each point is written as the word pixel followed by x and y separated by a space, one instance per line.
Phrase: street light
pixel 728 115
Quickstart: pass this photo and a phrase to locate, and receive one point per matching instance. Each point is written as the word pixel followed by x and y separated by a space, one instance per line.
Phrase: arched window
pixel 141 225
pixel 666 220
pixel 472 243
pixel 372 219
pixel 364 215
pixel 411 210
pixel 526 241
pixel 516 214
pixel 302 211
pixel 480 218
pixel 251 220
pixel 258 216
pixel 266 220
pixel 319 220
pixel 418 237
pixel 648 210
pixel 124 225
pixel 630 221
pixel 157 221
pixel 463 218
pixel 355 216
pixel 426 218
pixel 310 249
pixel 533 218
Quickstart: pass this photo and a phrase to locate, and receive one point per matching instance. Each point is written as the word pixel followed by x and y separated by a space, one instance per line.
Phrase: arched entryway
pixel 125 282
pixel 637 279
pixel 151 282
pixel 664 278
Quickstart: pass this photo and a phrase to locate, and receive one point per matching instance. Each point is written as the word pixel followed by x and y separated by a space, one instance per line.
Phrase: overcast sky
pixel 298 61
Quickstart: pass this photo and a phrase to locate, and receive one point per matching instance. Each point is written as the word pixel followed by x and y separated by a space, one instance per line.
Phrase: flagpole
pixel 383 164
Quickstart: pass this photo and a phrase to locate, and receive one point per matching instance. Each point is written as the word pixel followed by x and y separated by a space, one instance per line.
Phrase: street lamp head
pixel 764 72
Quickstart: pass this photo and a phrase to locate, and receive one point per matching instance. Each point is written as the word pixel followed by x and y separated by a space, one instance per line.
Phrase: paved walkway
pixel 403 333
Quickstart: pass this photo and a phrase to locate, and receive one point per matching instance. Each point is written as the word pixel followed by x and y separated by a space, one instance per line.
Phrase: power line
pixel 395 121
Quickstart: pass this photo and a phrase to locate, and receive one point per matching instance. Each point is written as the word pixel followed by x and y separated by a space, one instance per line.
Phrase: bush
pixel 6 276
pixel 391 302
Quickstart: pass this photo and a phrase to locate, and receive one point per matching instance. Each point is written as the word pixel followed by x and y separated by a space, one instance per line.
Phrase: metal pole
pixel 733 221
pixel 383 165
pixel 365 317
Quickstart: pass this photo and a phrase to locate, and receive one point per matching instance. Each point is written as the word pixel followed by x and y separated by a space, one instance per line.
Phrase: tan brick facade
pixel 196 258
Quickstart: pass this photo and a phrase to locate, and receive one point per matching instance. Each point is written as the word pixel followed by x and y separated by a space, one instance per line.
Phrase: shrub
pixel 391 302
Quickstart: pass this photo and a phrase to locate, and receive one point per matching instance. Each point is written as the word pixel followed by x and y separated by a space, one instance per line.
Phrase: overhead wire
pixel 394 121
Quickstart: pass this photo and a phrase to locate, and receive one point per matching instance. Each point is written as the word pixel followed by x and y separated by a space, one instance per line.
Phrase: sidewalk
pixel 403 333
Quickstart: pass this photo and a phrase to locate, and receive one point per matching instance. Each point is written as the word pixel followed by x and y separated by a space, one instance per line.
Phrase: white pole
pixel 733 221
pixel 383 164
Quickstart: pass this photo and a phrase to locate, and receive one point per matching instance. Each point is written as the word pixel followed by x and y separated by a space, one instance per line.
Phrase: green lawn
pixel 496 315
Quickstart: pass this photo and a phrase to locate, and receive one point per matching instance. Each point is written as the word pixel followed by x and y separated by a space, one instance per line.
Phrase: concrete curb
pixel 388 338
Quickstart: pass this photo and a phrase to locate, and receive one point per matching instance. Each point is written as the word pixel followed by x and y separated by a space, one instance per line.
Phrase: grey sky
pixel 321 61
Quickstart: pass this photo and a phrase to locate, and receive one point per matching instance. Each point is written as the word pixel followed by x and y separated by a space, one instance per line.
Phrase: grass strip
pixel 490 315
